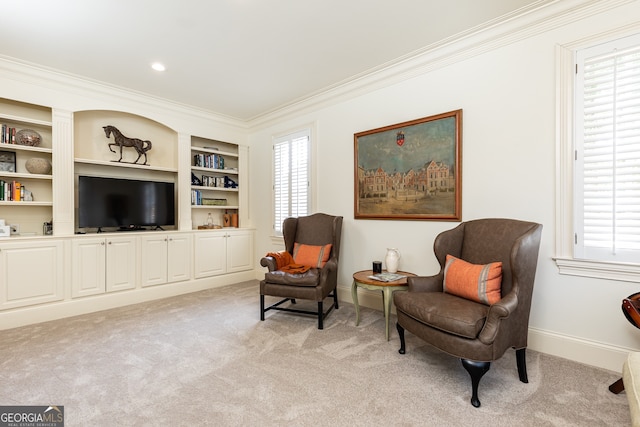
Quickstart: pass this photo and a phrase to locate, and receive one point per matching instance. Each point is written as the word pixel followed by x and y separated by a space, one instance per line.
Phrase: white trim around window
pixel 566 260
pixel 293 182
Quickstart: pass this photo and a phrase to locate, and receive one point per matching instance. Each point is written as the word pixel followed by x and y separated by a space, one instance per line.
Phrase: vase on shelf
pixel 38 166
pixel 28 137
pixel 392 259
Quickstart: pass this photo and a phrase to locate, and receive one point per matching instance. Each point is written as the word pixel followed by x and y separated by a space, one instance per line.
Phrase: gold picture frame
pixel 410 170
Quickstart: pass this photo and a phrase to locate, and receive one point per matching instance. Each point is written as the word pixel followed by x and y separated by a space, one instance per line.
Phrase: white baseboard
pixel 577 349
pixel 592 353
pixel 74 307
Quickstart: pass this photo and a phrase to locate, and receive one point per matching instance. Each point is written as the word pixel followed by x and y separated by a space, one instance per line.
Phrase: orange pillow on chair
pixel 480 283
pixel 311 256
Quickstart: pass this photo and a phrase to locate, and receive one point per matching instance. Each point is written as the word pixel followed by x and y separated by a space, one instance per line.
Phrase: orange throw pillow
pixel 480 283
pixel 311 256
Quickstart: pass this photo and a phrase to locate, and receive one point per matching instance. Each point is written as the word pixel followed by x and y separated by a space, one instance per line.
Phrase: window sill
pixel 277 240
pixel 599 269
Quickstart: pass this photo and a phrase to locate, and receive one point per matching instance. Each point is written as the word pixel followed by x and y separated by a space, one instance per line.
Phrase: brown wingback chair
pixel 475 332
pixel 317 283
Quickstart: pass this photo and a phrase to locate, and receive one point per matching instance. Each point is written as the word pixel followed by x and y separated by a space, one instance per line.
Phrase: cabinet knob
pixel 102 243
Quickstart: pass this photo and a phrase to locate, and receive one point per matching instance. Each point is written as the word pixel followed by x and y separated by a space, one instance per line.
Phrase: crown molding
pixel 536 18
pixel 100 93
pixel 523 23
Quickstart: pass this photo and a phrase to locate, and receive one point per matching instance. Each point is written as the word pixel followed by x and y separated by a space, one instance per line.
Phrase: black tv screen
pixel 124 203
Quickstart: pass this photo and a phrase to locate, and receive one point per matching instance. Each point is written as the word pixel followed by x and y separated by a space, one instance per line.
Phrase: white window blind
pixel 291 177
pixel 608 152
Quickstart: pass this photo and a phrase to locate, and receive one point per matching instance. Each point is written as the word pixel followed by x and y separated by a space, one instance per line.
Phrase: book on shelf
pixel 387 277
pixel 214 202
pixel 198 200
pixel 15 194
pixel 8 135
pixel 210 161
pixel 196 197
pixel 213 181
pixel 14 191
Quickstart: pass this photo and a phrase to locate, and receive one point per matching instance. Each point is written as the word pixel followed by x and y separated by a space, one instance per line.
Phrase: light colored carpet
pixel 206 359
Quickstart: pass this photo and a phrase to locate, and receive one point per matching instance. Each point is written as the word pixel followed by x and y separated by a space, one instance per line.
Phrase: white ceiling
pixel 239 58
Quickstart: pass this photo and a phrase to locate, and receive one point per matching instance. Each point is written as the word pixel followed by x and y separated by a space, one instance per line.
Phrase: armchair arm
pixel 269 262
pixel 425 283
pixel 498 311
pixel 330 267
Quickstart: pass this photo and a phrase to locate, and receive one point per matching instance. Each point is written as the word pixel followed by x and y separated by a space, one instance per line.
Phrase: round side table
pixel 361 279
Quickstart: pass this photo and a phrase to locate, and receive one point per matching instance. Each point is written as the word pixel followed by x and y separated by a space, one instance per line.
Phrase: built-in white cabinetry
pixel 31 272
pixel 89 267
pixel 239 250
pixel 215 181
pixel 223 251
pixel 210 254
pixel 103 264
pixel 166 258
pixel 80 269
pixel 31 212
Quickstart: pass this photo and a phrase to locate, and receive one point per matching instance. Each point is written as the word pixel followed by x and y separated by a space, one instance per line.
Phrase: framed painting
pixel 411 170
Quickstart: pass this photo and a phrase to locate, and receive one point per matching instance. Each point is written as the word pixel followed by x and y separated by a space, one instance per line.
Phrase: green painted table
pixel 361 279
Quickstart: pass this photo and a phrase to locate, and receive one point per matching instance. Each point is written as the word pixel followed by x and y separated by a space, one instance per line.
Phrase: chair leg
pixel 476 370
pixel 320 315
pixel 401 333
pixel 521 360
pixel 335 298
pixel 262 307
pixel 617 387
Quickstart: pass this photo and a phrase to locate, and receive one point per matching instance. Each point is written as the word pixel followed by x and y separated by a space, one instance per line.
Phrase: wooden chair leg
pixel 320 315
pixel 401 333
pixel 476 370
pixel 617 387
pixel 521 360
pixel 261 307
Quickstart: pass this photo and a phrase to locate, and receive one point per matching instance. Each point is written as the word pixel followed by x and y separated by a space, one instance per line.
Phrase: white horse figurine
pixel 139 145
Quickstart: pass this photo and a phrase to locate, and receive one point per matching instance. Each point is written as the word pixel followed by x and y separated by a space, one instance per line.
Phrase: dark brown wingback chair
pixel 475 332
pixel 315 284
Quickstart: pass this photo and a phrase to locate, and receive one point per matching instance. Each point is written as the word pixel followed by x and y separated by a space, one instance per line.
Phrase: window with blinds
pixel 607 181
pixel 291 166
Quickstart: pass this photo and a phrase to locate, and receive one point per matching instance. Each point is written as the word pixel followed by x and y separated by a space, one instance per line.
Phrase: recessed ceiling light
pixel 158 66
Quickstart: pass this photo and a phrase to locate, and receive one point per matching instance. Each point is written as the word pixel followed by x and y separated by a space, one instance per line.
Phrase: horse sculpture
pixel 139 145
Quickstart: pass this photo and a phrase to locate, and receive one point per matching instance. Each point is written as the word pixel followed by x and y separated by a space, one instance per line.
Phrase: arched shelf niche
pixel 91 146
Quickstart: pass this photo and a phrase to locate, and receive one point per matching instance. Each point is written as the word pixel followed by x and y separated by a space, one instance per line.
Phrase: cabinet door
pixel 88 277
pixel 154 259
pixel 31 273
pixel 179 257
pixel 239 251
pixel 122 262
pixel 210 254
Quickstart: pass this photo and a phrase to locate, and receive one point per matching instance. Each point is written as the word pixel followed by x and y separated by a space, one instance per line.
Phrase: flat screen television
pixel 127 204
